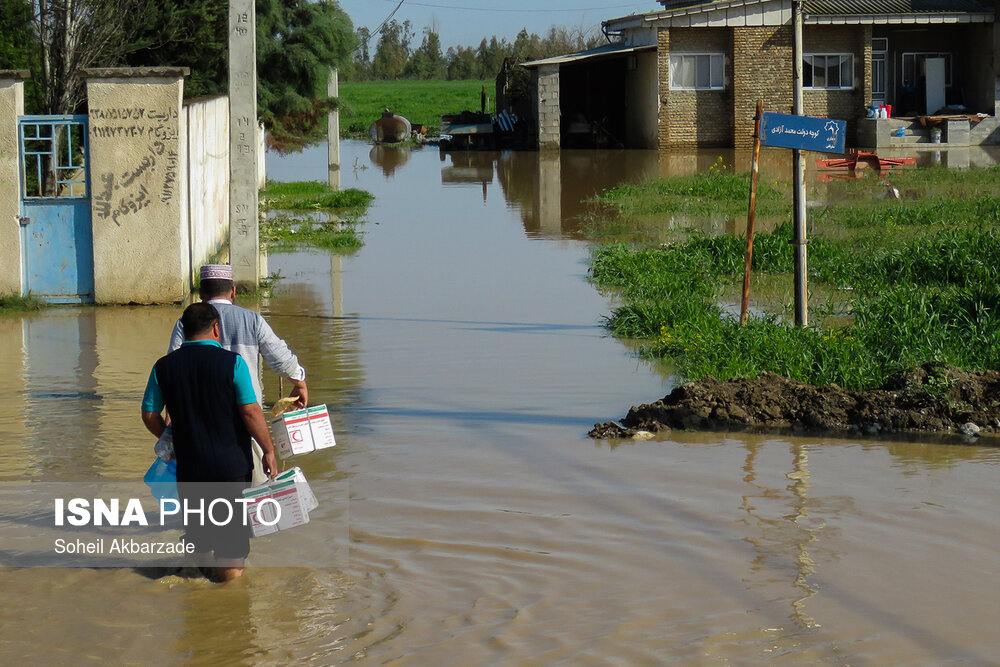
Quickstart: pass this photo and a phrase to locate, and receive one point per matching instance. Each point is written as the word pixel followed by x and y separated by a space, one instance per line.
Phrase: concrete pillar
pixel 548 107
pixel 244 253
pixel 11 106
pixel 138 184
pixel 663 138
pixel 333 131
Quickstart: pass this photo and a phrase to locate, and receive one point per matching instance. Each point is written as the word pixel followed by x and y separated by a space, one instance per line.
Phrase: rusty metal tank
pixel 389 129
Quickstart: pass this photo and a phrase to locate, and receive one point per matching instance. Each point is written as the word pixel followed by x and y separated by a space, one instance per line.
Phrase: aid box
pixel 292 501
pixel 306 495
pixel 291 433
pixel 320 427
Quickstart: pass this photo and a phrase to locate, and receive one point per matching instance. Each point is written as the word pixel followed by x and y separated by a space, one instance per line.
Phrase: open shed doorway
pixel 591 96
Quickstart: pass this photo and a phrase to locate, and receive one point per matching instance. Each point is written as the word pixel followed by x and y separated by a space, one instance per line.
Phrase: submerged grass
pixel 339 214
pixel 13 303
pixel 715 193
pixel 288 233
pixel 931 294
pixel 312 195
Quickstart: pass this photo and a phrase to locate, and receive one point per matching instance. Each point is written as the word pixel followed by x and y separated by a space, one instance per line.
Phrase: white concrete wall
pixel 208 179
pixel 641 104
pixel 11 106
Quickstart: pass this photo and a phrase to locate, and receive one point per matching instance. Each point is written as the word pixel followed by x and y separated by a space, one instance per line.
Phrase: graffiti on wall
pixel 152 176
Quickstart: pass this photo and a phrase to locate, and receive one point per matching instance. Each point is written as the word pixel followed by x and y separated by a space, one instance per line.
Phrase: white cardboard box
pixel 306 495
pixel 302 431
pixel 291 433
pixel 320 427
pixel 286 493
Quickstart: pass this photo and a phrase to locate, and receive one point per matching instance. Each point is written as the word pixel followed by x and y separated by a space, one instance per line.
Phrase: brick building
pixel 691 74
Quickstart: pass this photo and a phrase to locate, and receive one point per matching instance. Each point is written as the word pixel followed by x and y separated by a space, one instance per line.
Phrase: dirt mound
pixel 930 398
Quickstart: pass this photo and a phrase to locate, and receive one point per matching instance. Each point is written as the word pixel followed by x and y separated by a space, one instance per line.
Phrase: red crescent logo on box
pixel 295 436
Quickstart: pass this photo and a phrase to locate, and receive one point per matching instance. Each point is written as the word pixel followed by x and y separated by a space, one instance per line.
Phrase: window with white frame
pixel 697 71
pixel 828 71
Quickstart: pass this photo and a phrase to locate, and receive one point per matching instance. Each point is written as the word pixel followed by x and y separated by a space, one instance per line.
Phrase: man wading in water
pixel 214 411
pixel 249 335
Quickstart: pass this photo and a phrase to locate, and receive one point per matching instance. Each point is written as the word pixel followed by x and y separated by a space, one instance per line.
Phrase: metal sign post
pixel 799 173
pixel 800 133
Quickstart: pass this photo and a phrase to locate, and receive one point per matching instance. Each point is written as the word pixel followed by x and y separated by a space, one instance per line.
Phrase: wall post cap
pixel 136 72
pixel 14 74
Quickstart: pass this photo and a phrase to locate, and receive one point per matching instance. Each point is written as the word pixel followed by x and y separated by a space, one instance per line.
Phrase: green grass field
pixel 918 279
pixel 420 102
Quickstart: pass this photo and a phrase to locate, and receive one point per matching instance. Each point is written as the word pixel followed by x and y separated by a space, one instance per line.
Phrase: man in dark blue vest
pixel 214 411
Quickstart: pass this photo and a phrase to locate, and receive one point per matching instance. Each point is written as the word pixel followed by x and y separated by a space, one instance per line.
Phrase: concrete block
pixel 956 132
pixel 138 185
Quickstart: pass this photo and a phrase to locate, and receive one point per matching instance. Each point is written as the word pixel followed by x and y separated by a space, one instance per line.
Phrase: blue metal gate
pixel 56 234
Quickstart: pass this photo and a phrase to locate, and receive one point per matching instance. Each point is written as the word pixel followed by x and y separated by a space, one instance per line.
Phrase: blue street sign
pixel 809 134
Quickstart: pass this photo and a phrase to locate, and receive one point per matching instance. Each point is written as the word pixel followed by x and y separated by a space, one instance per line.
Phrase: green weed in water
pixel 289 233
pixel 13 303
pixel 716 193
pixel 311 195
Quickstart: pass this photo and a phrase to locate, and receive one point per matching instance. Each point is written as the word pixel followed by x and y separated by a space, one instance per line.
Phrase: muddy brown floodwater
pixel 461 354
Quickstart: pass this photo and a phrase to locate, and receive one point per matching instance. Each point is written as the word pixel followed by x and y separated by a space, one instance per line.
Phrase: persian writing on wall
pixel 152 170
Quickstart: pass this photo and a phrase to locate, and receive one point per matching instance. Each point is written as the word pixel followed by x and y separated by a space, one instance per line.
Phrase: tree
pixel 427 61
pixel 461 63
pixel 19 48
pixel 76 34
pixel 393 50
pixel 298 42
pixel 526 47
pixel 189 34
pixel 491 55
pixel 362 58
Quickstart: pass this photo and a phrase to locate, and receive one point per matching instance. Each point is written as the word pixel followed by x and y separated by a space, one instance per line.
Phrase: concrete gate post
pixel 11 106
pixel 138 184
pixel 548 107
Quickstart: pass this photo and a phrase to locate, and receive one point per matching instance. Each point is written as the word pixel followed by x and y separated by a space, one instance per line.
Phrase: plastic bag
pixel 164 447
pixel 161 478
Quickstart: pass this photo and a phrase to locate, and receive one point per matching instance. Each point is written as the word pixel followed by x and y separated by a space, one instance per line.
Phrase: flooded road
pixel 461 354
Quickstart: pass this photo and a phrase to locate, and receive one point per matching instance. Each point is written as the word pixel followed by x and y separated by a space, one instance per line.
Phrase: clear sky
pixel 466 22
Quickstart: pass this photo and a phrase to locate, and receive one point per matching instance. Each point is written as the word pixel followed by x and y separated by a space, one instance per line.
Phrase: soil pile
pixel 929 398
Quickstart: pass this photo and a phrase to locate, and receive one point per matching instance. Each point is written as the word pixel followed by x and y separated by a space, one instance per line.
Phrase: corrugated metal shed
pixel 890 7
pixel 606 50
pixel 861 7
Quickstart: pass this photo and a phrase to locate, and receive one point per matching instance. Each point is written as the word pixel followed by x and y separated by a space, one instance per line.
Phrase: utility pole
pixel 333 131
pixel 244 249
pixel 799 174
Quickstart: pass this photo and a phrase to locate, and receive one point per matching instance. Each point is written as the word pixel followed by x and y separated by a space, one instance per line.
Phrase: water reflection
pixel 783 523
pixel 550 190
pixel 75 416
pixel 389 158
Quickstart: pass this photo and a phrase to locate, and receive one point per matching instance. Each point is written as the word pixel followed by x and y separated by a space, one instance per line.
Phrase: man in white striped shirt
pixel 248 334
